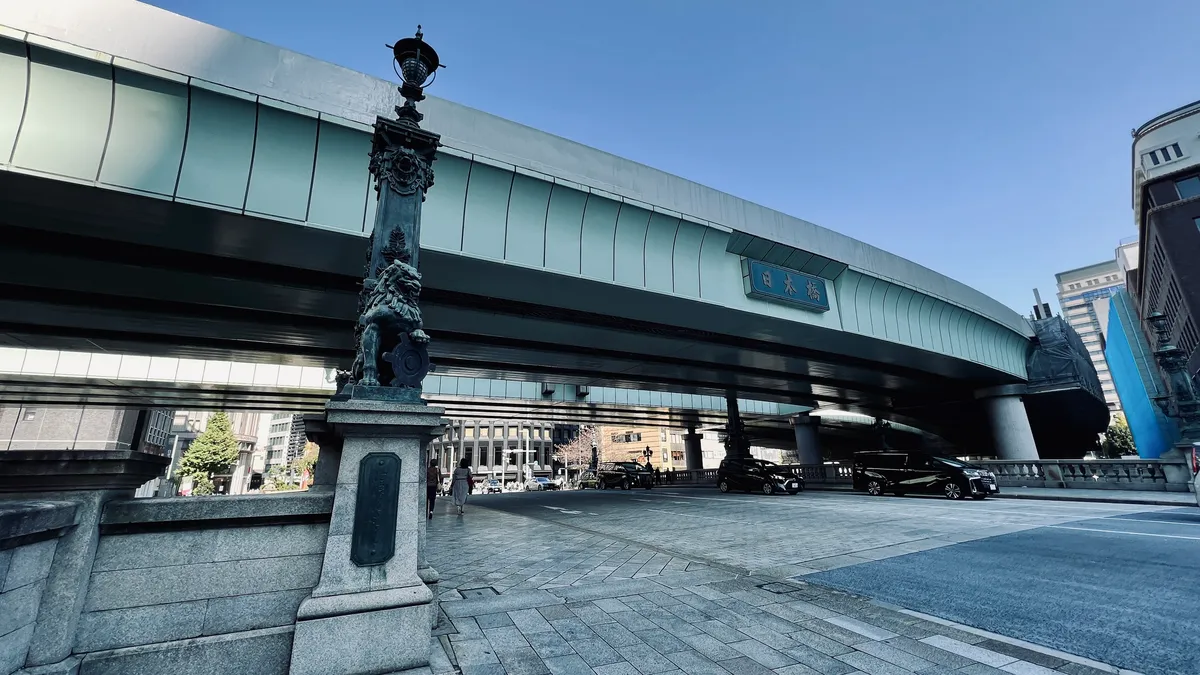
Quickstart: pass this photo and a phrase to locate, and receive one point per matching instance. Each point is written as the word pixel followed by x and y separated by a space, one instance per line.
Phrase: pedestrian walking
pixel 433 481
pixel 460 485
pixel 657 476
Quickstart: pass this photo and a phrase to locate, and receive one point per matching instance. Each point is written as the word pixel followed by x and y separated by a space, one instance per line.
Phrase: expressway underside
pixel 90 269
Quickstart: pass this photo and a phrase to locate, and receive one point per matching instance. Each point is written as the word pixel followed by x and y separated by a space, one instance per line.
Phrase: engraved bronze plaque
pixel 374 538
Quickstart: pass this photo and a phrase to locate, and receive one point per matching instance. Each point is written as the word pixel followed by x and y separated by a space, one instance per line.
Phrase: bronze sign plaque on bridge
pixel 374 538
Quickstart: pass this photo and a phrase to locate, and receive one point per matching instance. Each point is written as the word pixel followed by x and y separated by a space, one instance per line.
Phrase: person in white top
pixel 460 485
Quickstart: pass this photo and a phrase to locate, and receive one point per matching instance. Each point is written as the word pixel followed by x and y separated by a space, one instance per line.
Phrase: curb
pixel 1095 500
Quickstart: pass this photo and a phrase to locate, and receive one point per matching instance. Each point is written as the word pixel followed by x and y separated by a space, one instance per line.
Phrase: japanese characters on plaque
pixel 771 282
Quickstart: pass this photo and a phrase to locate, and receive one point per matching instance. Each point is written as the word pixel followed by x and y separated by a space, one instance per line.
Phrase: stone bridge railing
pixel 1118 474
pixel 1112 474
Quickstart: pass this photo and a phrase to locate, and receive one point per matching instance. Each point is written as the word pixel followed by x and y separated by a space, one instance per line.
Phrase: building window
pixel 1188 187
pixel 1162 155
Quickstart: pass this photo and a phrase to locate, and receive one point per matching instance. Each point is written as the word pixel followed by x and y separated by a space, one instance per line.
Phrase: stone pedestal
pixel 374 615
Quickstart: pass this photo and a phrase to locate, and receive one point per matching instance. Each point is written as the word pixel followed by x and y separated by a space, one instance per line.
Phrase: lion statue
pixel 389 312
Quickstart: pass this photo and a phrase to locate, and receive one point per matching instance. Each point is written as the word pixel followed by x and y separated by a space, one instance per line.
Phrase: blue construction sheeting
pixel 1131 363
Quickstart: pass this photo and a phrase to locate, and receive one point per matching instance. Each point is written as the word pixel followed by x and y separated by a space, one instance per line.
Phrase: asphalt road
pixel 1116 583
pixel 1123 590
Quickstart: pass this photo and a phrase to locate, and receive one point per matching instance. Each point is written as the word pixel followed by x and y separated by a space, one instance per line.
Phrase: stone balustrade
pixel 1118 474
pixel 1110 474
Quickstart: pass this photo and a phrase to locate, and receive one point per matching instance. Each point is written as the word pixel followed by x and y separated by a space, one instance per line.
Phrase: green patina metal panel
pixel 66 116
pixel 149 124
pixel 847 289
pixel 220 144
pixel 660 245
pixel 596 247
pixel 904 306
pixel 927 327
pixel 891 313
pixel 685 259
pixel 564 228
pixel 958 333
pixel 285 150
pixel 720 272
pixel 442 212
pixel 525 236
pixel 486 212
pixel 862 303
pixel 341 180
pixel 875 312
pixel 14 78
pixel 629 246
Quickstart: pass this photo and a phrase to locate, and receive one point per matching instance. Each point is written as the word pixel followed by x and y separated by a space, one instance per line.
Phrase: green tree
pixel 212 452
pixel 308 460
pixel 1118 440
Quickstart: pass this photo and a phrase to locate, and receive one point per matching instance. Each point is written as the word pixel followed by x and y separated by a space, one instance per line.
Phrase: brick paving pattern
pixel 526 597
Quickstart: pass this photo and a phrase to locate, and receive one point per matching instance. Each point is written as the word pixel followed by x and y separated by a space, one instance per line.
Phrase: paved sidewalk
pixel 528 597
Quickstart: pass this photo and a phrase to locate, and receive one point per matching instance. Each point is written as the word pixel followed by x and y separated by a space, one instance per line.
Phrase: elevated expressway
pixel 168 188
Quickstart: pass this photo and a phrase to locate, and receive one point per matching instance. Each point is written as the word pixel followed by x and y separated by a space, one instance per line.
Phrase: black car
pixel 756 475
pixel 624 475
pixel 904 472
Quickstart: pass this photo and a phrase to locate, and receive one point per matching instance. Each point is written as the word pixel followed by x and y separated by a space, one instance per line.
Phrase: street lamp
pixel 392 358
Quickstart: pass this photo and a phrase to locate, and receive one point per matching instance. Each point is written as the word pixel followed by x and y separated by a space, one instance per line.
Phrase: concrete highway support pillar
pixel 736 443
pixel 693 453
pixel 808 444
pixel 1011 434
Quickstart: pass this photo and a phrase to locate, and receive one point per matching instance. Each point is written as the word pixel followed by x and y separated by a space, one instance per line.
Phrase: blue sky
pixel 988 141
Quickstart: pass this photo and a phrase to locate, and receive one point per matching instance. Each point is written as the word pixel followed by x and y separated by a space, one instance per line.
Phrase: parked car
pixel 624 475
pixel 917 472
pixel 540 484
pixel 490 485
pixel 756 475
pixel 588 479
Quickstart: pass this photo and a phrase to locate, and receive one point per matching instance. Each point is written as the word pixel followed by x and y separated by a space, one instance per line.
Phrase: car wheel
pixel 768 489
pixel 723 486
pixel 875 488
pixel 953 490
pixel 625 485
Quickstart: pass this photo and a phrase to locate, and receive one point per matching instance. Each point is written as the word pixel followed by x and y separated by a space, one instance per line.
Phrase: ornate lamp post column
pixel 1181 402
pixel 374 578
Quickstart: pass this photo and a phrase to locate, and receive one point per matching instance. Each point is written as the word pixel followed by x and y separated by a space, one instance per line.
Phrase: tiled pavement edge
pixel 525 597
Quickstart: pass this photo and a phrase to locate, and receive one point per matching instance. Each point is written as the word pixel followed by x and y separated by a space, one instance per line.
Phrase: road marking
pixel 1136 534
pixel 562 510
pixel 1143 520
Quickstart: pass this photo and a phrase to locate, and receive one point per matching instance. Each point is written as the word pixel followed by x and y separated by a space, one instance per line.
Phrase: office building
pixel 1166 207
pixel 285 439
pixel 35 427
pixel 1083 297
pixel 500 448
